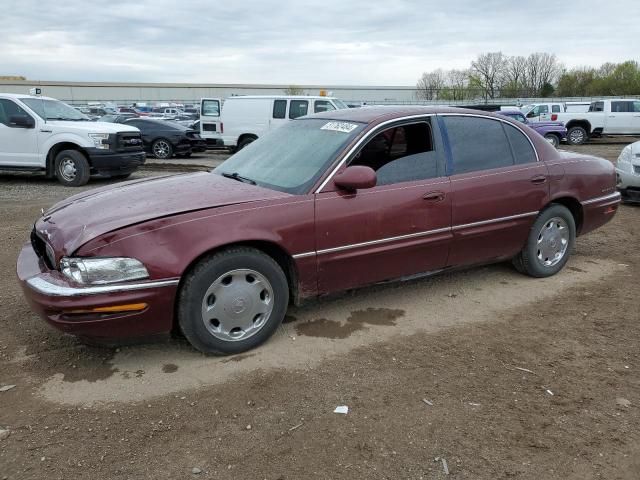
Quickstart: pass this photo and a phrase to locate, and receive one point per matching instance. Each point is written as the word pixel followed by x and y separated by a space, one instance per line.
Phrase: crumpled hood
pixel 73 222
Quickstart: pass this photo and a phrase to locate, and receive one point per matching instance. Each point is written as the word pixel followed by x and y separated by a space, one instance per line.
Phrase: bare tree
pixel 542 69
pixel 515 71
pixel 489 71
pixel 293 90
pixel 430 84
pixel 457 82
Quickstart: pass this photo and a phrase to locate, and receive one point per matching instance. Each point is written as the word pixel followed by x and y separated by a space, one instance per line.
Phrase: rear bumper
pixel 115 163
pixel 598 211
pixel 58 302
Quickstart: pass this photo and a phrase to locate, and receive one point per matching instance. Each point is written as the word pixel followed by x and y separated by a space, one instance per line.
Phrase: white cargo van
pixel 210 125
pixel 245 118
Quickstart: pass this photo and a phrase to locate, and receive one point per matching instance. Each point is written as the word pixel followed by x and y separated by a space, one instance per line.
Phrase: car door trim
pixel 50 288
pixel 611 196
pixel 414 235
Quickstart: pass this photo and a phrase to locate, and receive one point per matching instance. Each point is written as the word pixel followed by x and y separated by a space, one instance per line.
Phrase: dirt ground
pixel 488 372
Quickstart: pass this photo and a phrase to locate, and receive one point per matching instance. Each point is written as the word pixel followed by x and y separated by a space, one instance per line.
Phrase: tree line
pixel 495 75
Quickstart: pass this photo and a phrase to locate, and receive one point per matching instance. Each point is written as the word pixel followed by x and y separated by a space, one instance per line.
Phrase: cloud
pixel 318 42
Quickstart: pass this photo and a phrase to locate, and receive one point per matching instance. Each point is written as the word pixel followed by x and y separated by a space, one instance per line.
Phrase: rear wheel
pixel 72 168
pixel 577 136
pixel 552 139
pixel 232 301
pixel 549 244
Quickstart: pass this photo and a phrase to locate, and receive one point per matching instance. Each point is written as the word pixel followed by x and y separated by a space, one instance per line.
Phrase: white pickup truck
pixel 605 117
pixel 42 134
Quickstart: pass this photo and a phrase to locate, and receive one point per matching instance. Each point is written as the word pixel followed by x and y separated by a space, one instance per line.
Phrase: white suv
pixel 43 134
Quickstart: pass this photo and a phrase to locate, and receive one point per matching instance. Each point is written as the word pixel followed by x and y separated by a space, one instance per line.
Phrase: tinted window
pixel 279 108
pixel 209 108
pixel 544 109
pixel 597 107
pixel 322 106
pixel 298 108
pixel 477 144
pixel 522 150
pixel 636 107
pixel 8 109
pixel 555 108
pixel 621 106
pixel 401 154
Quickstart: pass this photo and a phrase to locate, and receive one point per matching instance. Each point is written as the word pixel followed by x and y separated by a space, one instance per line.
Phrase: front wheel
pixel 232 301
pixel 577 136
pixel 162 149
pixel 72 168
pixel 549 244
pixel 552 139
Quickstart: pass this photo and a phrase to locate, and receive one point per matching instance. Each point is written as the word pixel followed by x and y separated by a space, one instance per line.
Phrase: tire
pixel 549 245
pixel 72 168
pixel 577 136
pixel 552 139
pixel 245 141
pixel 162 149
pixel 232 301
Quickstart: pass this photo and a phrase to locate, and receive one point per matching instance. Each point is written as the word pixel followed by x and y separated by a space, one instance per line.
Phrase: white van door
pixel 18 144
pixel 210 124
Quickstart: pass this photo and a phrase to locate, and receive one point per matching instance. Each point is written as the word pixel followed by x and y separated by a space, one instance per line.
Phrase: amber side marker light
pixel 611 209
pixel 131 307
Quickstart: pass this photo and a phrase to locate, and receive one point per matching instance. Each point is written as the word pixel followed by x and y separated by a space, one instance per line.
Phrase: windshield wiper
pixel 238 177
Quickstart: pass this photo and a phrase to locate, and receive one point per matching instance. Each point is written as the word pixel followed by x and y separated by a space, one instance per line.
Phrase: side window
pixel 298 108
pixel 401 154
pixel 597 107
pixel 522 150
pixel 211 108
pixel 555 108
pixel 544 109
pixel 279 108
pixel 621 106
pixel 636 107
pixel 8 109
pixel 477 144
pixel 322 106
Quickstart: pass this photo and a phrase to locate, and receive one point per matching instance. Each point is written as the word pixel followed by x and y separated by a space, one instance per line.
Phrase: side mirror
pixel 21 121
pixel 355 178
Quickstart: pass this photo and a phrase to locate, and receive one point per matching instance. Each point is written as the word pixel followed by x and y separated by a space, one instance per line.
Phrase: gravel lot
pixel 495 374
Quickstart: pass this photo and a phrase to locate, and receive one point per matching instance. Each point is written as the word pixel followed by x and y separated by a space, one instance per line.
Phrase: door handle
pixel 434 196
pixel 538 179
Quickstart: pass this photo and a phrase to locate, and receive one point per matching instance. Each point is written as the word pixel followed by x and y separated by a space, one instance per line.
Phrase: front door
pixel 18 145
pixel 400 227
pixel 498 187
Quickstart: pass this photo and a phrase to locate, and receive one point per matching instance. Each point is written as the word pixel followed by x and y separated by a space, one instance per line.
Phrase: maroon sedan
pixel 325 203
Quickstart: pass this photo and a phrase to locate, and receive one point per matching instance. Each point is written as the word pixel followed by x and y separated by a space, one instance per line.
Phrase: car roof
pixel 376 114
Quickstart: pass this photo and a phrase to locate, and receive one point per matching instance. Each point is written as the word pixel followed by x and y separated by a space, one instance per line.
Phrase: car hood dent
pixel 75 221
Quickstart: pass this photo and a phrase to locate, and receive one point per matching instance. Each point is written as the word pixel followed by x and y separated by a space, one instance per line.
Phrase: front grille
pixel 129 142
pixel 40 247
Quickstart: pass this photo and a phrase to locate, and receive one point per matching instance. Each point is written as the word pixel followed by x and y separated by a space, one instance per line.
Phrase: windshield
pixel 53 109
pixel 340 105
pixel 292 157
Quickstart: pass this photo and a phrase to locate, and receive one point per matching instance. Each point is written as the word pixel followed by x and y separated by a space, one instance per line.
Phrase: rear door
pixel 621 117
pixel 210 125
pixel 18 145
pixel 498 187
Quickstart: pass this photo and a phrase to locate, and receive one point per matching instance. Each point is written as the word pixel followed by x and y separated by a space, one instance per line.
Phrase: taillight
pixel 221 127
pixel 554 117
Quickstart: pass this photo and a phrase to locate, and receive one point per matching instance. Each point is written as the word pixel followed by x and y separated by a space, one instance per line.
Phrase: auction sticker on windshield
pixel 344 127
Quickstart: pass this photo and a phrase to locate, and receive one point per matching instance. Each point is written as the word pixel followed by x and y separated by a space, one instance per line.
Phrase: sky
pixel 329 42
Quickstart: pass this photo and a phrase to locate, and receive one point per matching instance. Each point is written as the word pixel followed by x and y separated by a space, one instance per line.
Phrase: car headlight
pixel 100 140
pixel 99 271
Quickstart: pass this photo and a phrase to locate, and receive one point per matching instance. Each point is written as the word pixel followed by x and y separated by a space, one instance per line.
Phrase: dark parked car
pixel 117 117
pixel 324 203
pixel 554 132
pixel 163 139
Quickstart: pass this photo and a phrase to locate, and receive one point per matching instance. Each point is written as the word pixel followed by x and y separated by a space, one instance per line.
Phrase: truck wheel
pixel 244 143
pixel 162 149
pixel 72 168
pixel 232 301
pixel 552 139
pixel 577 136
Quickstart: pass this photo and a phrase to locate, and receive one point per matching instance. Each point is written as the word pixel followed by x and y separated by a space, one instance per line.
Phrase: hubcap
pixel 161 149
pixel 237 305
pixel 68 169
pixel 553 241
pixel 551 140
pixel 576 136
